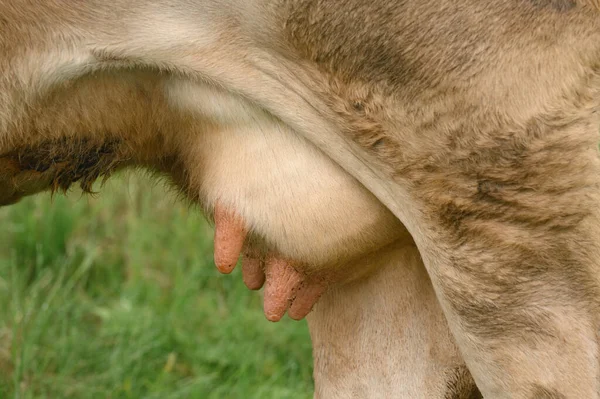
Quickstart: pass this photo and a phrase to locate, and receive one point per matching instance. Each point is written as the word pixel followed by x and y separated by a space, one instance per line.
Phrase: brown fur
pixel 67 162
pixel 543 393
pixel 506 186
pixel 460 385
pixel 474 122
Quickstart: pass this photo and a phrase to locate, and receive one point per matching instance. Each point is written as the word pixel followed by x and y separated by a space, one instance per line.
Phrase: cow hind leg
pixel 385 336
pixel 511 242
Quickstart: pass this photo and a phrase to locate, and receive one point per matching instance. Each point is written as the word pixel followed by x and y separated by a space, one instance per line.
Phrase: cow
pixel 473 123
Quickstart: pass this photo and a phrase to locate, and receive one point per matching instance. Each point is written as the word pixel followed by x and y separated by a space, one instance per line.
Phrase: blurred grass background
pixel 118 297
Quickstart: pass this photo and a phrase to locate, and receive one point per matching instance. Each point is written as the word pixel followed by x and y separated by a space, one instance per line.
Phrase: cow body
pixel 474 122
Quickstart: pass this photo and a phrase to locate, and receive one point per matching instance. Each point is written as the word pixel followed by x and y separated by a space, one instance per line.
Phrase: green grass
pixel 118 297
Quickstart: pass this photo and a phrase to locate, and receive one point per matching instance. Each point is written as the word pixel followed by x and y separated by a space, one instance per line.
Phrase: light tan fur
pixel 474 122
pixel 385 336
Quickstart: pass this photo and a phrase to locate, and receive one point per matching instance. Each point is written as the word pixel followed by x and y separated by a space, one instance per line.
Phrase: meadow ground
pixel 118 297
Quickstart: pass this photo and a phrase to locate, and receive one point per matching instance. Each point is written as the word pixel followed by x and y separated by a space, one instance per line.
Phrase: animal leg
pixel 385 336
